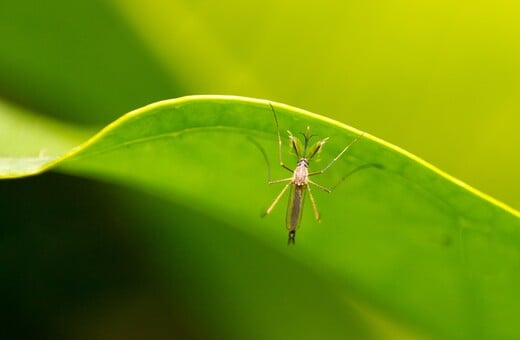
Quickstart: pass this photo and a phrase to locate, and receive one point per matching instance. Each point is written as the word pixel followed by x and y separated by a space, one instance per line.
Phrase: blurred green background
pixel 438 78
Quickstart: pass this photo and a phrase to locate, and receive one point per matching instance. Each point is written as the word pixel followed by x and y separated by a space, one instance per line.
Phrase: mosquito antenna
pixel 306 137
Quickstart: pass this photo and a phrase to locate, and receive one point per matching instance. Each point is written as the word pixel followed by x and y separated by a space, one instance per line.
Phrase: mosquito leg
pixel 280 180
pixel 262 151
pixel 282 164
pixel 338 156
pixel 314 207
pixel 320 186
pixel 359 168
pixel 271 207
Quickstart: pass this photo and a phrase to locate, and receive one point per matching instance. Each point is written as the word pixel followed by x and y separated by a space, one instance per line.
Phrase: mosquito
pixel 300 182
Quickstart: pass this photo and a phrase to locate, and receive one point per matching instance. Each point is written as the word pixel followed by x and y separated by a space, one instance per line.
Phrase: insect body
pixel 300 183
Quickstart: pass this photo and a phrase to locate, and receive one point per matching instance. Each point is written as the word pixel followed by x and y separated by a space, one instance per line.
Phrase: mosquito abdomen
pixel 294 210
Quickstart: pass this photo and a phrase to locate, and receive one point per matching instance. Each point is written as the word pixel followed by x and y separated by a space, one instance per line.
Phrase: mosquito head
pixel 292 235
pixel 304 162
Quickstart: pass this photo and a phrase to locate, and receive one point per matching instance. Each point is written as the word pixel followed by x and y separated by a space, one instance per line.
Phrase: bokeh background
pixel 440 79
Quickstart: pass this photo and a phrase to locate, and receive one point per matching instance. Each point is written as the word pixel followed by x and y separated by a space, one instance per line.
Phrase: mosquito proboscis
pixel 300 183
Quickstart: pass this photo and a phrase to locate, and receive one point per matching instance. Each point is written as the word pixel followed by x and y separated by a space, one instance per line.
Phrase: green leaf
pixel 404 242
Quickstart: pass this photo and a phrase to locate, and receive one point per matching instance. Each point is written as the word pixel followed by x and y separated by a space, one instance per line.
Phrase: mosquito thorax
pixel 301 174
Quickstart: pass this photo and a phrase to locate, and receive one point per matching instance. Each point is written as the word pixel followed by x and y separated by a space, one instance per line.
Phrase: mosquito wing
pixel 295 208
